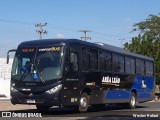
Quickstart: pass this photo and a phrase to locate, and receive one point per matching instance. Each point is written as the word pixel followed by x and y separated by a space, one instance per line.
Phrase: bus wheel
pixel 83 103
pixel 42 108
pixel 132 102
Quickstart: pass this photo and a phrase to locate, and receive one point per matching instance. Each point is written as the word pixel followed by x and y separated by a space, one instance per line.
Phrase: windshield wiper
pixel 24 76
pixel 41 79
pixel 35 72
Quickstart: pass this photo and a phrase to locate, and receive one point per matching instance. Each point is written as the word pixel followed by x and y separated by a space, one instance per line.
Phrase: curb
pixel 4 99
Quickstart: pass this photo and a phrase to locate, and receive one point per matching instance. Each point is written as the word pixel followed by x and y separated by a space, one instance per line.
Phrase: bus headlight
pixel 13 89
pixel 55 89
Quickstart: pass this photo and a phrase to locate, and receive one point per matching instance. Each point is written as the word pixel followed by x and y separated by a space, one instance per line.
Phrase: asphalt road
pixel 146 110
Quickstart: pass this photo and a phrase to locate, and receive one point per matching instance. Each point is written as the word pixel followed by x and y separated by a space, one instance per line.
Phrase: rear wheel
pixel 42 108
pixel 132 102
pixel 83 103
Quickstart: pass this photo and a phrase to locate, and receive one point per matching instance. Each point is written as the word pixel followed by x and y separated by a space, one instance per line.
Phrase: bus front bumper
pixel 36 99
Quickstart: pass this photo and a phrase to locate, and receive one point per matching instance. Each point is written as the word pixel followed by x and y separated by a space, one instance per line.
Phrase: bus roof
pixel 45 42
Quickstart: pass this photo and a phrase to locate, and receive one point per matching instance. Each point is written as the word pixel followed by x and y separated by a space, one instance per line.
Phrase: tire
pixel 132 101
pixel 42 108
pixel 83 103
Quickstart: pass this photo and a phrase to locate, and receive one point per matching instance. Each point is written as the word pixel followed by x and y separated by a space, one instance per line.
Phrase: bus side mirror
pixel 13 50
pixel 7 58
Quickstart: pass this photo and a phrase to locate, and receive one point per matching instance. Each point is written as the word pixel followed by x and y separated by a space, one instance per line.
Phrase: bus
pixel 79 74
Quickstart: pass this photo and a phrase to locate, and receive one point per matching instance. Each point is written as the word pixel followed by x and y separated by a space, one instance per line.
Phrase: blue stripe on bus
pixel 117 94
pixel 137 85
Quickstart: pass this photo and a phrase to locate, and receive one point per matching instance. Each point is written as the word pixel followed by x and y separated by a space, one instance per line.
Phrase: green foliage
pixel 148 41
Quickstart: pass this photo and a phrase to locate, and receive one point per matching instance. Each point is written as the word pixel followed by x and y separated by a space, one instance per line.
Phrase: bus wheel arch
pixel 89 93
pixel 134 91
pixel 86 90
pixel 133 99
pixel 84 100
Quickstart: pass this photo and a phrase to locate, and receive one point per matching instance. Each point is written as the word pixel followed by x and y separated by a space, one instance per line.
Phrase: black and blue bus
pixel 79 74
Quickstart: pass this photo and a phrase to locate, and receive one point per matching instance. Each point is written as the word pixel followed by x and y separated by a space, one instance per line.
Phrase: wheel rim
pixel 133 101
pixel 83 102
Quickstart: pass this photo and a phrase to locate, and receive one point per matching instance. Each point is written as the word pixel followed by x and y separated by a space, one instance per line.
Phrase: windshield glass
pixel 37 64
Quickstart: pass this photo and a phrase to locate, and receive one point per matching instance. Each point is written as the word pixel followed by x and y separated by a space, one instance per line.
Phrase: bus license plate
pixel 31 101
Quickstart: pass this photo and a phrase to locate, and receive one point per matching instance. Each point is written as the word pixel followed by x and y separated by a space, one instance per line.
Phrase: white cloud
pixel 129 19
pixel 59 35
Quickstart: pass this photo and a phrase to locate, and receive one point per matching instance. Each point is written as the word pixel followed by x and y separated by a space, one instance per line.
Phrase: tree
pixel 148 41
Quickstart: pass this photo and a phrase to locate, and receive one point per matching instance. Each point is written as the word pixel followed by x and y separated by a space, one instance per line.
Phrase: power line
pixel 65 29
pixel 13 21
pixel 53 26
pixel 41 31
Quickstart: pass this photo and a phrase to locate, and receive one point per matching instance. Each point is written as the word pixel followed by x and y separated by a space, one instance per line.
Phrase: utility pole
pixel 41 31
pixel 122 42
pixel 85 34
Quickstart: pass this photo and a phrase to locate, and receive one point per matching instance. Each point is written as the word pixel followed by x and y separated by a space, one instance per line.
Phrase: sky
pixel 110 21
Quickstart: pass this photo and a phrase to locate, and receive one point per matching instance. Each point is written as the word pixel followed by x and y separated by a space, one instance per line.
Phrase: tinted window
pixel 93 59
pixel 73 61
pixel 105 61
pixel 130 65
pixel 108 62
pixel 133 66
pixel 86 57
pixel 102 61
pixel 139 66
pixel 38 64
pixel 90 59
pixel 118 63
pixel 149 68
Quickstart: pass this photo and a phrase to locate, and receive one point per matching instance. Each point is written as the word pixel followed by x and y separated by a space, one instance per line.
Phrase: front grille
pixel 28 92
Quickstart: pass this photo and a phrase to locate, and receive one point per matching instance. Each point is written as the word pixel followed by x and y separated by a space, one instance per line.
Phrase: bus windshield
pixel 37 64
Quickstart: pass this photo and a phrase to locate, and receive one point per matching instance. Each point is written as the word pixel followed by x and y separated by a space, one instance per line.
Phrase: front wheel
pixel 132 102
pixel 83 103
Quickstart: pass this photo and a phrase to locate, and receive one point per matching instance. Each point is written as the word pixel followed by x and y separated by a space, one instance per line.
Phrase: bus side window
pixel 93 59
pixel 86 58
pixel 118 63
pixel 140 67
pixel 149 68
pixel 129 65
pixel 73 62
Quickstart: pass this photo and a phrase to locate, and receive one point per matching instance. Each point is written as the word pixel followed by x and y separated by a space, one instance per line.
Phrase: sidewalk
pixel 6 105
pixel 4 99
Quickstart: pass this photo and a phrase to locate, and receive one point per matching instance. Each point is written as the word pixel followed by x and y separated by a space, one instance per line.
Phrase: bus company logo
pixel 112 80
pixel 49 49
pixel 20 115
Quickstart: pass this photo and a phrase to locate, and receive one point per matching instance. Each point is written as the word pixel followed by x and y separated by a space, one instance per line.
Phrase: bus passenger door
pixel 71 82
